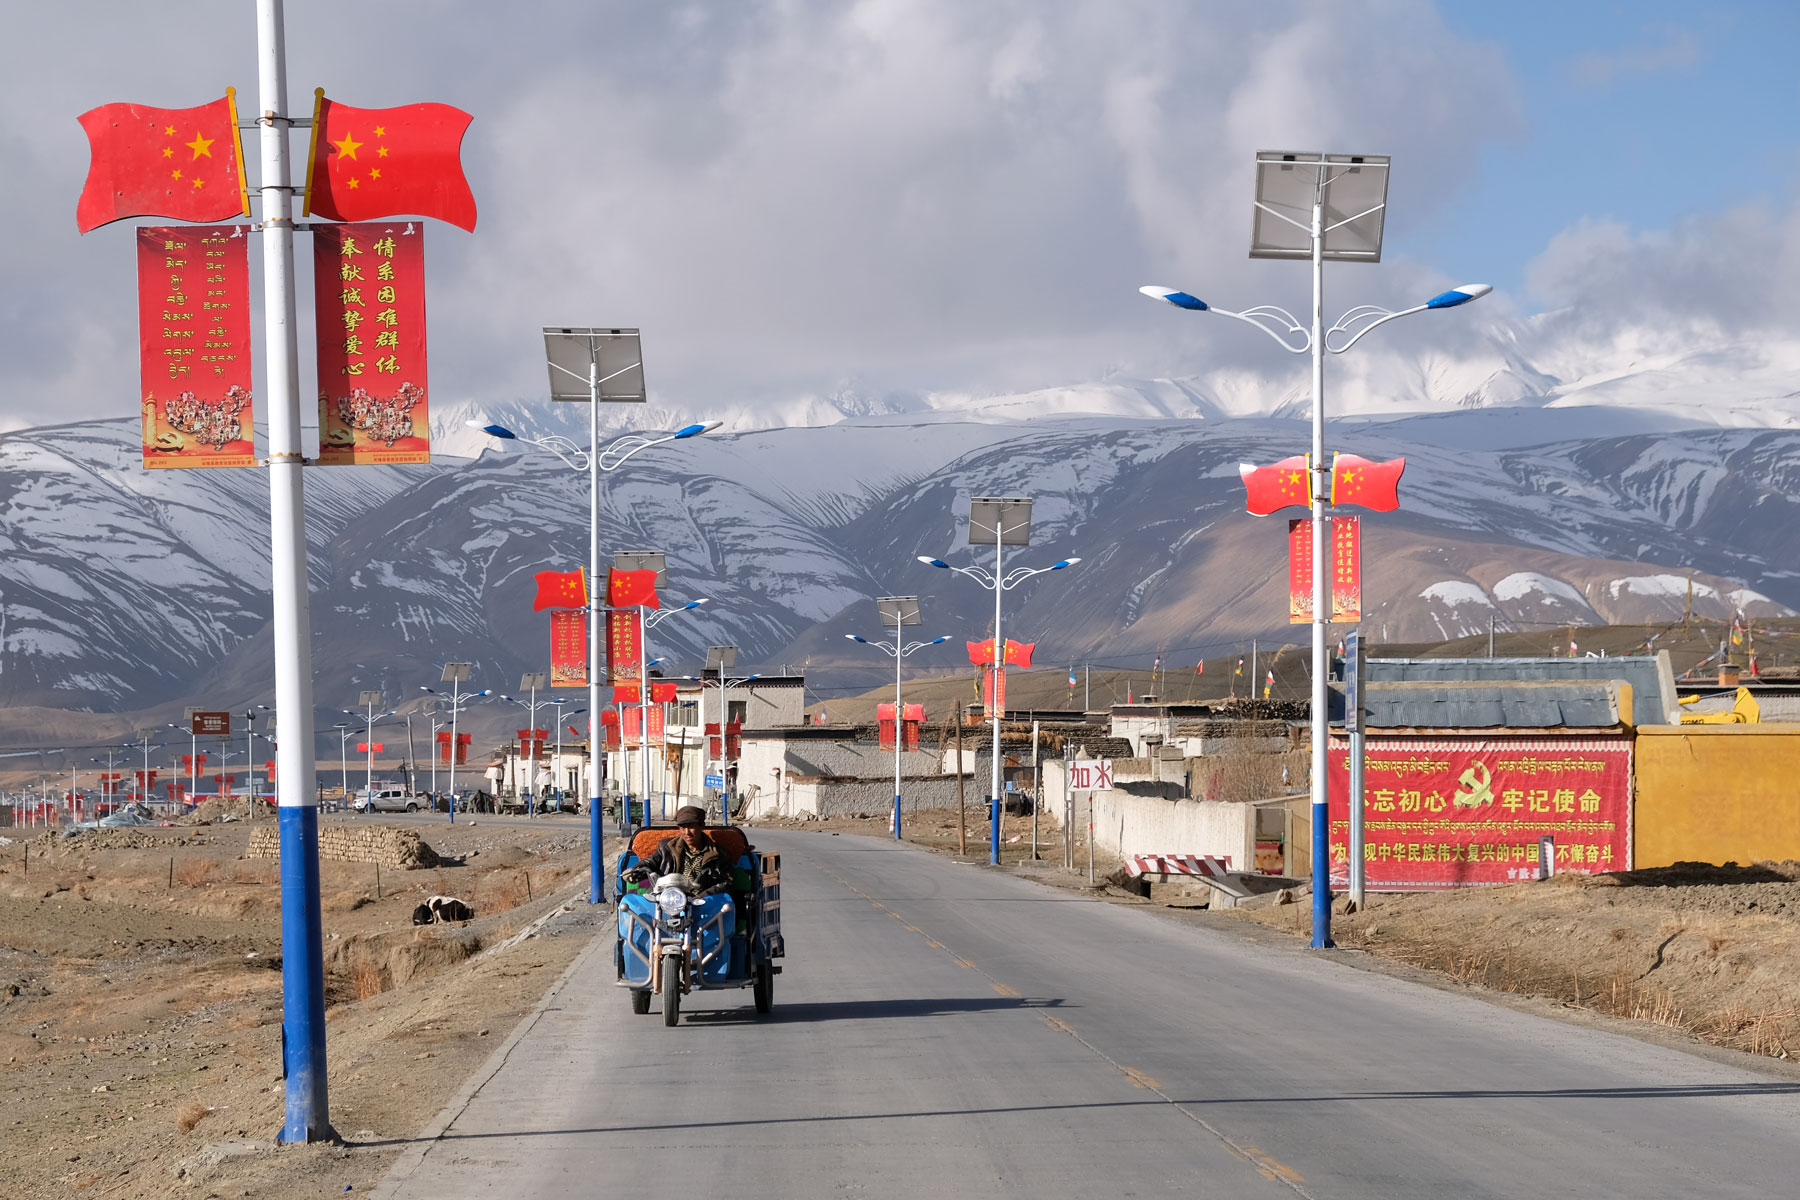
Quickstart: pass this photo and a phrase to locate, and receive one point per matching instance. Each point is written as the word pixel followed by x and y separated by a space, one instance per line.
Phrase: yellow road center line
pixel 1004 990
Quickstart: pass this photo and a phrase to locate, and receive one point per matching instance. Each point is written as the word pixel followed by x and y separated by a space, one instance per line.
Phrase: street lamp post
pixel 599 366
pixel 1314 207
pixel 898 612
pixel 531 683
pixel 1006 521
pixel 455 674
pixel 343 728
pixel 719 659
pixel 647 622
pixel 369 701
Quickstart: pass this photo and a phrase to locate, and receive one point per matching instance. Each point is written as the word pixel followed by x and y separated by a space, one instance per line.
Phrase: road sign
pixel 211 724
pixel 716 782
pixel 1090 774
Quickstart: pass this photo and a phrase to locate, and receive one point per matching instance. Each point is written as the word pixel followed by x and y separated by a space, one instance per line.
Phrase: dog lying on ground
pixel 442 909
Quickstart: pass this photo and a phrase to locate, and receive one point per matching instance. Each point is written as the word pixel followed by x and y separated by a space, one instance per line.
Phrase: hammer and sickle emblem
pixel 1477 780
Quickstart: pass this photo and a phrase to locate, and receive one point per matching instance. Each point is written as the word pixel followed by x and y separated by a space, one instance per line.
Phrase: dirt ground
pixel 1710 951
pixel 140 1002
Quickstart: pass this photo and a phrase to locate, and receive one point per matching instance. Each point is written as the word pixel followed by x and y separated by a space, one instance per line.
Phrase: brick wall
pixel 401 849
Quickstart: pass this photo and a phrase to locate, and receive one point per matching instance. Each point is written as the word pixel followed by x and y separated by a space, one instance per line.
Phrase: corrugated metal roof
pixel 1645 674
pixel 1492 705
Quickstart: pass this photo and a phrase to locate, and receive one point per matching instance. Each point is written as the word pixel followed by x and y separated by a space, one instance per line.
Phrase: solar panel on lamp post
pixel 897 613
pixel 1002 522
pixel 599 366
pixel 1318 208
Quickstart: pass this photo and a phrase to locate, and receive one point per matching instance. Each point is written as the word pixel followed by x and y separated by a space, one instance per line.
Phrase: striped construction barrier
pixel 1212 866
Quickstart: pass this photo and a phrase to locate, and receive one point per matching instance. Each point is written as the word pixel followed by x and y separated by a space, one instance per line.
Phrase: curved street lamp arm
pixel 614 456
pixel 983 577
pixel 573 456
pixel 1278 323
pixel 1359 321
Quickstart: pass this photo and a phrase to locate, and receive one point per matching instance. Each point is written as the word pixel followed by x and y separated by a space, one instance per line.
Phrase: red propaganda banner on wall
pixel 1457 811
pixel 623 645
pixel 1300 572
pixel 1346 569
pixel 369 299
pixel 568 648
pixel 194 346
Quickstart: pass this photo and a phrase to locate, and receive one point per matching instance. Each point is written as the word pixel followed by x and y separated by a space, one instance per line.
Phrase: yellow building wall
pixel 1716 794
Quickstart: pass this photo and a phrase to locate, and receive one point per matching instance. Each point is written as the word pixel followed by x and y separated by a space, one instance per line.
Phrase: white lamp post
pixel 719 659
pixel 1314 207
pixel 600 366
pixel 455 674
pixel 898 612
pixel 343 728
pixel 646 622
pixel 1005 521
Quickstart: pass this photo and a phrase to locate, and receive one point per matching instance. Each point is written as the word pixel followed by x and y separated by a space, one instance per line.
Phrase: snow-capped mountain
pixel 122 589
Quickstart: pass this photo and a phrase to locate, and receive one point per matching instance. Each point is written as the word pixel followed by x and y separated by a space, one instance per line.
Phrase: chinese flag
pixel 630 589
pixel 182 163
pixel 1372 485
pixel 560 589
pixel 368 163
pixel 1018 654
pixel 981 653
pixel 1276 487
pixel 662 693
pixel 625 693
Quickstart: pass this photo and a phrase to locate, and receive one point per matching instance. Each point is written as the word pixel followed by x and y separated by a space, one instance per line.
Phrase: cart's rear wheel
pixel 764 988
pixel 640 1002
pixel 671 982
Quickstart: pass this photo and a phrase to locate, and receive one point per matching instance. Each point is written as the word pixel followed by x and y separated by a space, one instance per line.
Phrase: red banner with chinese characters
pixel 989 703
pixel 1346 569
pixel 911 717
pixel 631 724
pixel 369 299
pixel 194 346
pixel 462 746
pixel 623 645
pixel 532 742
pixel 1300 571
pixel 1452 812
pixel 733 734
pixel 568 648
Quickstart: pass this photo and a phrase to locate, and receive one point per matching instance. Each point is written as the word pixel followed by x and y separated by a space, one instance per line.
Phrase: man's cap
pixel 689 814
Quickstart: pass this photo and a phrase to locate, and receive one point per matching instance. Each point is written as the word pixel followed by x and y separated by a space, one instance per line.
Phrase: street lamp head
pixel 857 638
pixel 1067 562
pixel 937 641
pixel 492 430
pixel 696 603
pixel 934 562
pixel 1178 299
pixel 1459 295
pixel 697 430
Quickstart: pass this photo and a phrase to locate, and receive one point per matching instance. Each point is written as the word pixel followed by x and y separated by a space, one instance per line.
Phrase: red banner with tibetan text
pixel 194 346
pixel 568 648
pixel 1450 812
pixel 369 298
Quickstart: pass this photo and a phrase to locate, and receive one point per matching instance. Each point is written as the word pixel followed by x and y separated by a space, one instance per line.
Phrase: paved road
pixel 942 1030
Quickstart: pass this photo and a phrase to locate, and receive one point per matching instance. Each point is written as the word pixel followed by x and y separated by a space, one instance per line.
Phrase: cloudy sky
pixel 888 198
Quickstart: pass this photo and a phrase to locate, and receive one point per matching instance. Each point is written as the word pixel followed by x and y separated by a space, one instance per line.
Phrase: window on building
pixel 735 711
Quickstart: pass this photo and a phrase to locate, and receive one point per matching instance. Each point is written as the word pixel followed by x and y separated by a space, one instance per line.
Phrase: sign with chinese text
pixel 991 703
pixel 369 299
pixel 1300 571
pixel 1345 583
pixel 623 644
pixel 568 648
pixel 194 346
pixel 1090 774
pixel 212 724
pixel 630 721
pixel 1346 569
pixel 1458 811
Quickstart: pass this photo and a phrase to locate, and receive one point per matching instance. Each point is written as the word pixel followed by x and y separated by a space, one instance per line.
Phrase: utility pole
pixel 962 812
pixel 1490 635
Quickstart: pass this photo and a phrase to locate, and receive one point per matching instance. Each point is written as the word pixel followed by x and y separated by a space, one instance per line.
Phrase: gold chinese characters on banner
pixel 194 346
pixel 369 298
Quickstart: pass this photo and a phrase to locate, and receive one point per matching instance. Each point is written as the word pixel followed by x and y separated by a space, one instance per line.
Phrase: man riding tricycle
pixel 698 909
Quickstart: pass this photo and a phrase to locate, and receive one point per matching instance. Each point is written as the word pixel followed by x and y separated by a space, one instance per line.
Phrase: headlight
pixel 672 901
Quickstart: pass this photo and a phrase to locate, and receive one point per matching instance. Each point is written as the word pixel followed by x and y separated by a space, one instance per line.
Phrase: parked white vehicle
pixel 389 798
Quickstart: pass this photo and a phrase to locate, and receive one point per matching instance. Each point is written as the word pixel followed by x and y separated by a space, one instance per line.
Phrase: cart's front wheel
pixel 764 988
pixel 640 1002
pixel 671 982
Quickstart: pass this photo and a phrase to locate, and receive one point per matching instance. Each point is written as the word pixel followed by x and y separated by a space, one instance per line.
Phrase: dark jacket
pixel 706 866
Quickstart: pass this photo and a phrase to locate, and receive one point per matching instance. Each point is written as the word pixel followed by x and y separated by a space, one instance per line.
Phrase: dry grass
pixel 366 979
pixel 193 872
pixel 190 1115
